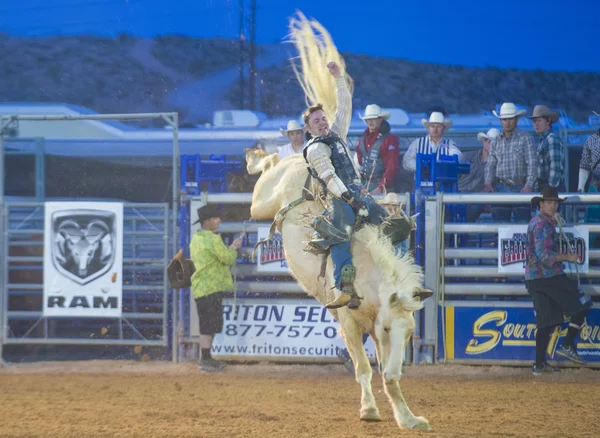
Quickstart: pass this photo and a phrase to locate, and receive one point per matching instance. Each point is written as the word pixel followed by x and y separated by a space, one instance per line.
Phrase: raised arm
pixel 341 123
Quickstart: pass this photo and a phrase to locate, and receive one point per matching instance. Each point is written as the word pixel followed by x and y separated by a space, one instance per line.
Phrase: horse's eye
pixel 386 329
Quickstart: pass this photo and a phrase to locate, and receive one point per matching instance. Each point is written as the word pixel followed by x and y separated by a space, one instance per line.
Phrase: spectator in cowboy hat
pixel 550 150
pixel 212 260
pixel 553 293
pixel 590 158
pixel 377 151
pixel 474 181
pixel 512 163
pixel 434 143
pixel 295 133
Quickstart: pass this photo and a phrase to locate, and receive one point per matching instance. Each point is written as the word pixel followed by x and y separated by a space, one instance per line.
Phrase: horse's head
pixel 258 161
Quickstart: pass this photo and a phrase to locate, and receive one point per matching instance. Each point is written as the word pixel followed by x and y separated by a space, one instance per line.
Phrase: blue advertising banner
pixel 501 331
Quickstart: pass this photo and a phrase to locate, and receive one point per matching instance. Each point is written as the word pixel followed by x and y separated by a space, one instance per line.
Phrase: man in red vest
pixel 377 151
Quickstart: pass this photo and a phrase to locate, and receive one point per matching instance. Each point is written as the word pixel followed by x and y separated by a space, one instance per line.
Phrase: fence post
pixel 4 272
pixel 432 245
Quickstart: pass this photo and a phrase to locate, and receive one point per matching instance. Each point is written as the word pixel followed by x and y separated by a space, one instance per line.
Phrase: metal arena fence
pixel 460 266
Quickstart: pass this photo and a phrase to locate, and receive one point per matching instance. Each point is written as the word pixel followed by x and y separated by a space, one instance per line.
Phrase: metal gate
pixel 145 287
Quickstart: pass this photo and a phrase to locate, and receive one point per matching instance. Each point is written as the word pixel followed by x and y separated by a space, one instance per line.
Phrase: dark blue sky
pixel 546 34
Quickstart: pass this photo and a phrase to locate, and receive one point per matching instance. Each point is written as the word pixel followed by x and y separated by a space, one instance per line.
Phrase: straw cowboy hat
pixel 544 111
pixel 508 110
pixel 490 135
pixel 373 111
pixel 548 194
pixel 437 117
pixel 292 125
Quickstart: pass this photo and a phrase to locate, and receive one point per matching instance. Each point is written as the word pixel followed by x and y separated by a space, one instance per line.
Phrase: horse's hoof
pixel 418 423
pixel 371 414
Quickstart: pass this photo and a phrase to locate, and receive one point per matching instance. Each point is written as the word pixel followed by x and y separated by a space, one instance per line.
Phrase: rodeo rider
pixel 330 162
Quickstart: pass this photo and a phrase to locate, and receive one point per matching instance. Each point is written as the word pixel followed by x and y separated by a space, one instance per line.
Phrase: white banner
pixel 512 243
pixel 83 259
pixel 279 329
pixel 270 256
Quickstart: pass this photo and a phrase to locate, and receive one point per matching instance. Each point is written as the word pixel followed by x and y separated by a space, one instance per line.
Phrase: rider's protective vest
pixel 340 159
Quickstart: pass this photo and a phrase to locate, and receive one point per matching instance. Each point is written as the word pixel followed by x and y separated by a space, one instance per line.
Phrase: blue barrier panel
pixel 481 332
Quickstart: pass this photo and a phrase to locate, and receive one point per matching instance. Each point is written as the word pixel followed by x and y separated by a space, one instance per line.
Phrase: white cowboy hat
pixel 373 111
pixel 508 111
pixel 544 111
pixel 437 117
pixel 292 125
pixel 490 135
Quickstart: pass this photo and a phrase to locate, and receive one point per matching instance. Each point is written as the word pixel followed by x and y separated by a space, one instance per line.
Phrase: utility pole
pixel 253 55
pixel 242 58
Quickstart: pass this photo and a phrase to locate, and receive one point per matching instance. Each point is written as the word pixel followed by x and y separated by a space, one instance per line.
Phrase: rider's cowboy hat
pixel 292 125
pixel 508 110
pixel 544 111
pixel 437 117
pixel 490 135
pixel 548 194
pixel 207 212
pixel 374 111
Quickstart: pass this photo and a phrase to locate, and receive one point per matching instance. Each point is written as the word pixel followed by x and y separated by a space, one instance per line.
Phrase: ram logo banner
pixel 512 248
pixel 83 259
pixel 270 254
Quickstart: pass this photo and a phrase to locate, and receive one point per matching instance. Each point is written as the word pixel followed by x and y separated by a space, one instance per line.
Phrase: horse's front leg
pixel 362 368
pixel 393 345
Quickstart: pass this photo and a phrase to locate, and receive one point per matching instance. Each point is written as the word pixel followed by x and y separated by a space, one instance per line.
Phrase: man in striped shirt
pixel 590 158
pixel 434 143
pixel 512 164
pixel 550 150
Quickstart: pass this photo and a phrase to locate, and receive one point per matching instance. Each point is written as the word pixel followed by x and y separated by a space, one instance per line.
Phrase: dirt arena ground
pixel 159 399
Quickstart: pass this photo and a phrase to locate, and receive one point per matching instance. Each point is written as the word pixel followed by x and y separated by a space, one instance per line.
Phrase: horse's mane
pixel 400 272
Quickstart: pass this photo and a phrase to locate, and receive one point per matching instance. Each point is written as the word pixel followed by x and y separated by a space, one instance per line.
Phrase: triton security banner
pixel 277 329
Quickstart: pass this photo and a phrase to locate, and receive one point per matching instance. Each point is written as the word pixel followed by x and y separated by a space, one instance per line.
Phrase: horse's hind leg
pixel 362 369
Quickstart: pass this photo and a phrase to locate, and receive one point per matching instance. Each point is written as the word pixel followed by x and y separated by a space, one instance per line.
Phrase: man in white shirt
pixel 295 133
pixel 434 143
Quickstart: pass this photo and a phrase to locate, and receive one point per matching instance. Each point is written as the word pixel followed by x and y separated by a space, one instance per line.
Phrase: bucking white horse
pixel 389 284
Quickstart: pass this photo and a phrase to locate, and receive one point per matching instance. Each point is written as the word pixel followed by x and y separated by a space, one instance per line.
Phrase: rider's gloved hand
pixel 357 205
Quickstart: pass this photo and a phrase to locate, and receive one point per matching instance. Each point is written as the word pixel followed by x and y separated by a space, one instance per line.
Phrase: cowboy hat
pixel 543 111
pixel 373 111
pixel 548 194
pixel 508 111
pixel 179 271
pixel 437 117
pixel 292 125
pixel 207 212
pixel 490 135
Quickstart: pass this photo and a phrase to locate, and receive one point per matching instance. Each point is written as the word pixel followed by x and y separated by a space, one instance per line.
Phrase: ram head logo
pixel 83 253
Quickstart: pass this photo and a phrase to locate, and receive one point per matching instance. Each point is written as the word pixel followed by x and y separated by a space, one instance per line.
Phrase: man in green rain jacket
pixel 212 260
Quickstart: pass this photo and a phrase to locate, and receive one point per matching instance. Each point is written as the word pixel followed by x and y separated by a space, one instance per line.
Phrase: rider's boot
pixel 348 297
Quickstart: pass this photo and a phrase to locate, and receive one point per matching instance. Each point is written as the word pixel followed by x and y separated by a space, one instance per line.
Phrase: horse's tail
pixel 315 49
